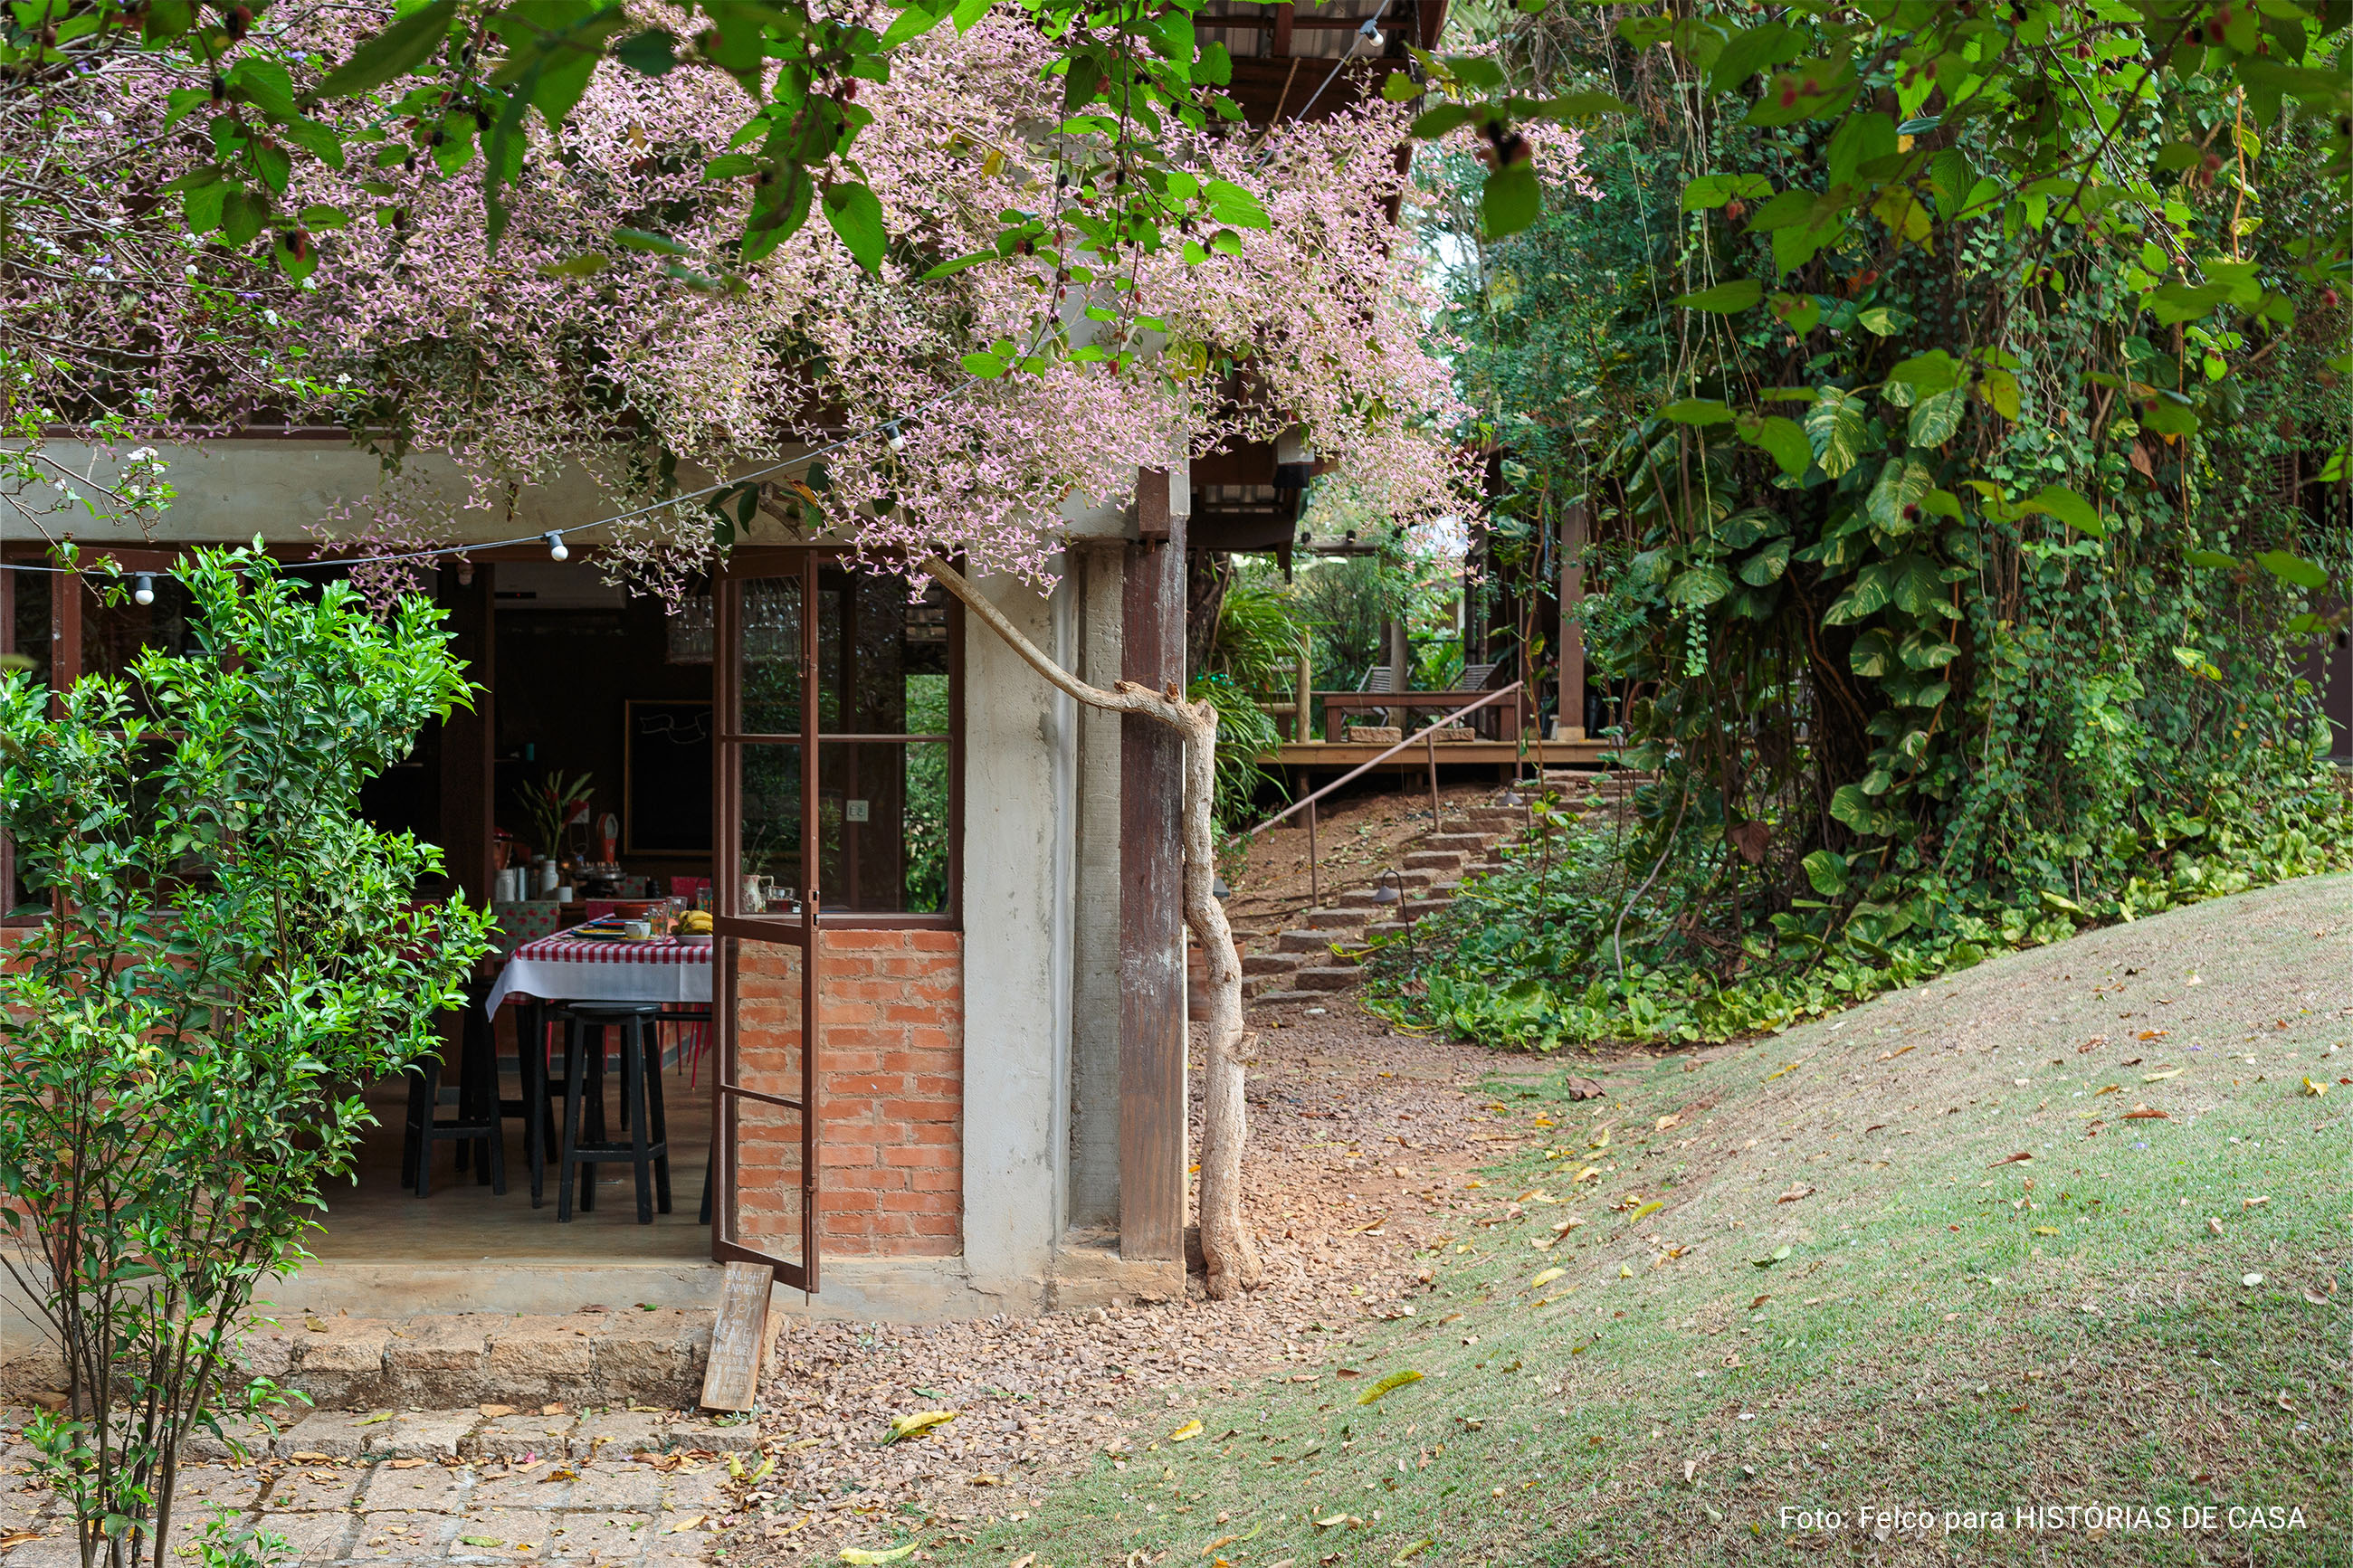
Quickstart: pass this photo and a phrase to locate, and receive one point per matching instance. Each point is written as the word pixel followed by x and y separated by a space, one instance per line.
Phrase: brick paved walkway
pixel 635 1489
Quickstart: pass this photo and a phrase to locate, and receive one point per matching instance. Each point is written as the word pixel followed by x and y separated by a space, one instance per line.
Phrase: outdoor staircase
pixel 1316 959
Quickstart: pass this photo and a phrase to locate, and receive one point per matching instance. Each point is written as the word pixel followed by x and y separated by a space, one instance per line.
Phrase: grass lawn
pixel 1922 1257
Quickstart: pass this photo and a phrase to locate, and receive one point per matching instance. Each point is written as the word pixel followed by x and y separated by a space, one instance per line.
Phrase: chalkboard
pixel 666 795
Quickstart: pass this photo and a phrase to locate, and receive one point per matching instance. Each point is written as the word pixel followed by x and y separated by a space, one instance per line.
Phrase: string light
pixel 556 549
pixel 143 591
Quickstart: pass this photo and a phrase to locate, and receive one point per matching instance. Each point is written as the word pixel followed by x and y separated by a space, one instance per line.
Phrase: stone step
pixel 1303 942
pixel 1422 908
pixel 442 1360
pixel 1467 843
pixel 1269 962
pixel 1497 818
pixel 1329 977
pixel 1370 897
pixel 1291 998
pixel 1336 920
pixel 1446 860
pixel 1385 928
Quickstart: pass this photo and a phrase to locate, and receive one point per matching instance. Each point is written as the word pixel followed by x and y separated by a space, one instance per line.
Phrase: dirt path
pixel 1361 1139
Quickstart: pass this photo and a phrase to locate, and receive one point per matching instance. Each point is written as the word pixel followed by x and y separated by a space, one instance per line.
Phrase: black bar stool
pixel 542 1104
pixel 647 1149
pixel 477 1121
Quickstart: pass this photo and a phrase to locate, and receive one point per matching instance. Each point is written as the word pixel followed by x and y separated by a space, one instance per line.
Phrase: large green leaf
pixel 1699 584
pixel 1511 200
pixel 857 217
pixel 1918 586
pixel 397 51
pixel 1750 52
pixel 1837 427
pixel 1710 191
pixel 1725 297
pixel 1784 439
pixel 1935 417
pixel 1903 484
pixel 1767 564
pixel 1826 869
pixel 2059 501
pixel 2293 569
pixel 1873 656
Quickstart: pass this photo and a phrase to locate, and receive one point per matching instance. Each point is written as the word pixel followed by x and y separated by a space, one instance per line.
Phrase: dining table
pixel 568 967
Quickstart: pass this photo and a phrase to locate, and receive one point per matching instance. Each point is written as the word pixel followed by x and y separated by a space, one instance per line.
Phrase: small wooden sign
pixel 739 1339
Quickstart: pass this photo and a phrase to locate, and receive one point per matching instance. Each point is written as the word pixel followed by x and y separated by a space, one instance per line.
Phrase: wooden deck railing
pixel 1427 739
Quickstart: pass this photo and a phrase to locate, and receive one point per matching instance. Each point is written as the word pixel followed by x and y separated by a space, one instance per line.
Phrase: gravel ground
pixel 1362 1142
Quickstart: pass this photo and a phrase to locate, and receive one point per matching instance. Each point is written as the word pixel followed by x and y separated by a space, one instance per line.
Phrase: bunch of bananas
pixel 694 922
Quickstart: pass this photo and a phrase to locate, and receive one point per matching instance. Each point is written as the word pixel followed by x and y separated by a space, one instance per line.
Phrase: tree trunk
pixel 1226 1245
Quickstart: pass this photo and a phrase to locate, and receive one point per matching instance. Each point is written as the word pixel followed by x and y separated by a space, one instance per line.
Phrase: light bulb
pixel 898 439
pixel 555 549
pixel 143 589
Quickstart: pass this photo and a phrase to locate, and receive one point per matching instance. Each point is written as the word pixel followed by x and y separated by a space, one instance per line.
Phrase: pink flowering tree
pixel 1007 353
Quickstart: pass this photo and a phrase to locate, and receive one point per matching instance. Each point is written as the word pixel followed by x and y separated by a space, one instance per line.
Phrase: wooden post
pixel 1152 1094
pixel 1301 730
pixel 469 775
pixel 1568 724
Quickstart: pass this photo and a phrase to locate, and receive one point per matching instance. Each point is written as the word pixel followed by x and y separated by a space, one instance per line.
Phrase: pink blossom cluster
pixel 519 365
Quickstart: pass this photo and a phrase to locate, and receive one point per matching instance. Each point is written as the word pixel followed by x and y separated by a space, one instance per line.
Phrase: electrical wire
pixel 1371 29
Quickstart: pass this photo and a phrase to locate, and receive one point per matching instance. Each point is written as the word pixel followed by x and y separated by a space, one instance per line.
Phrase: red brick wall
pixel 891 1093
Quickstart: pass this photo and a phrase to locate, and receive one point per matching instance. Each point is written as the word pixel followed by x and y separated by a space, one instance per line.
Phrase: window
pixel 876 676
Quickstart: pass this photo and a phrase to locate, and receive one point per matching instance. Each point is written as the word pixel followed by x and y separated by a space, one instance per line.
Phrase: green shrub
pixel 233 947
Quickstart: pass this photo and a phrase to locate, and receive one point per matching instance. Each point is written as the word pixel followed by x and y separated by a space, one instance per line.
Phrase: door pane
pixel 768 656
pixel 763 1208
pixel 883 826
pixel 880 656
pixel 769 868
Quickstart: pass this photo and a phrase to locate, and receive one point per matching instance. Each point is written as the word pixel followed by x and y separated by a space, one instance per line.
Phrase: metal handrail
pixel 1308 803
pixel 1304 801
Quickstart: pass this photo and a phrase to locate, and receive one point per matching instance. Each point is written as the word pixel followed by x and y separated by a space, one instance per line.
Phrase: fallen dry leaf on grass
pixel 1583 1088
pixel 860 1556
pixel 2010 1160
pixel 2142 1113
pixel 1797 1190
pixel 1891 1056
pixel 1187 1433
pixel 2214 1225
pixel 1387 1385
pixel 915 1424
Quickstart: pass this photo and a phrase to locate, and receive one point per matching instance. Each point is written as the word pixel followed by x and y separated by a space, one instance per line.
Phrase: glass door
pixel 766 917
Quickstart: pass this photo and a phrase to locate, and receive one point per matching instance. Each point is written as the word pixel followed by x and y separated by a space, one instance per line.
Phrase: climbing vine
pixel 1958 404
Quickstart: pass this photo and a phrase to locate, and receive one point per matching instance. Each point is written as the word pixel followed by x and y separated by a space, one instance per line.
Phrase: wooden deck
pixel 1319 756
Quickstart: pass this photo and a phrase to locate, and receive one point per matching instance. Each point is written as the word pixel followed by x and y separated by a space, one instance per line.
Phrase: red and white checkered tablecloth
pixel 568 968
